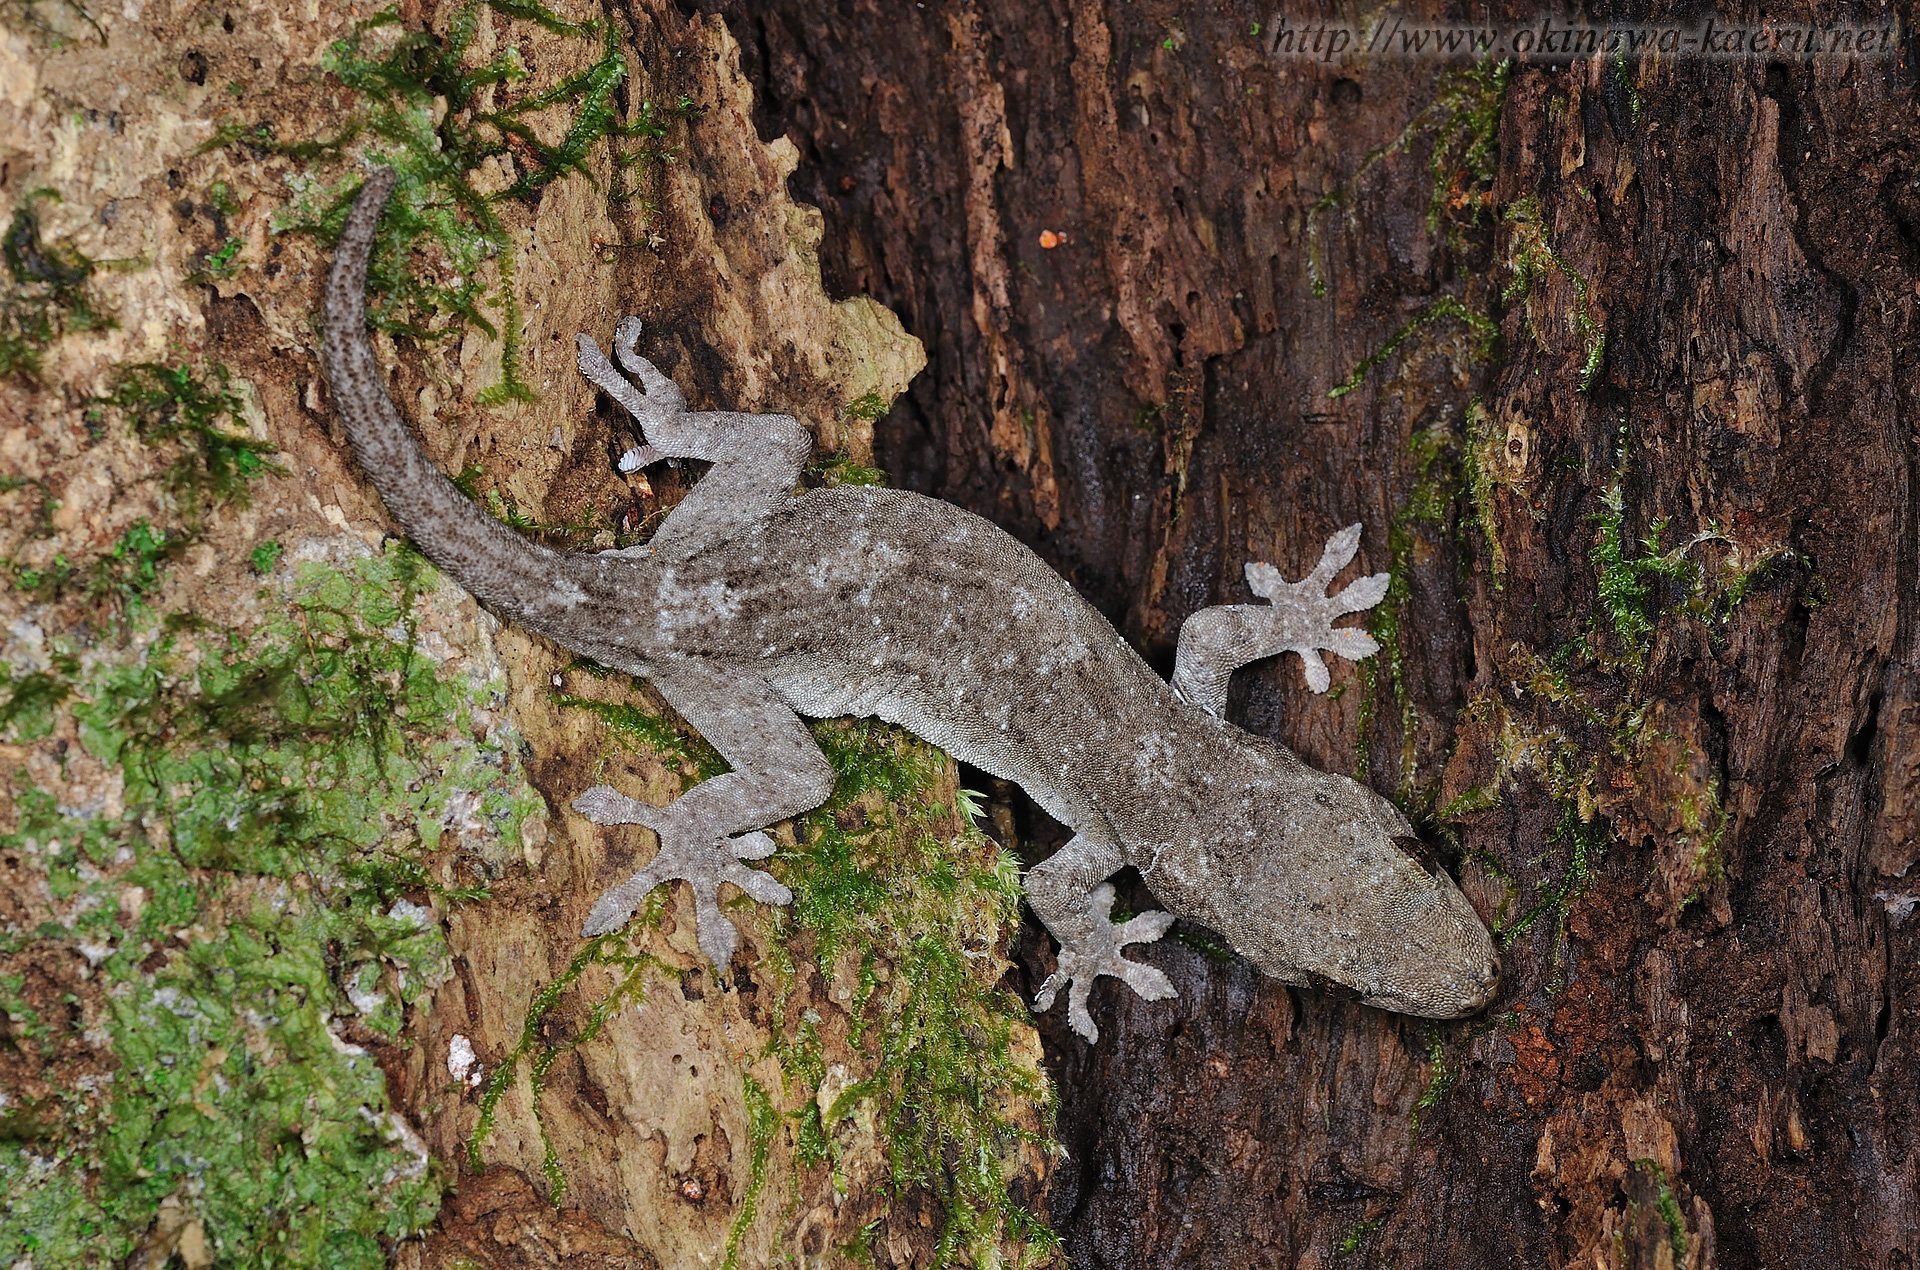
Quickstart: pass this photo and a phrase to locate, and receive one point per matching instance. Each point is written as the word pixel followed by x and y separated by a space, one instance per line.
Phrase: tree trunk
pixel 1612 358
pixel 1652 666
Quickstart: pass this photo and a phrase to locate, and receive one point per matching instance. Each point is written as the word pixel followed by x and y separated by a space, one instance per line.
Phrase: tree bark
pixel 1630 345
pixel 1696 769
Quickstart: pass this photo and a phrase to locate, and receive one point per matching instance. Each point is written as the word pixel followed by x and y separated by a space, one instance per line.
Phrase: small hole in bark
pixel 1346 95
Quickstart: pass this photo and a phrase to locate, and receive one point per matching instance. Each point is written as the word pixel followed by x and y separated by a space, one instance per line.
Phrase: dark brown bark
pixel 1147 405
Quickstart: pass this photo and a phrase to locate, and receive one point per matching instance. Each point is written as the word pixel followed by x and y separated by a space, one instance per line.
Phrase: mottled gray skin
pixel 752 607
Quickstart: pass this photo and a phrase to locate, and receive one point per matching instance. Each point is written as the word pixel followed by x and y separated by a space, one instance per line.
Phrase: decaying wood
pixel 1745 238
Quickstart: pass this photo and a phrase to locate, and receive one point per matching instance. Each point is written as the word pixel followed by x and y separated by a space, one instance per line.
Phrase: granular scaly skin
pixel 752 607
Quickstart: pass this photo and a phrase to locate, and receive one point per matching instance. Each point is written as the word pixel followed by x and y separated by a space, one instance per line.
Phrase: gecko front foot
pixel 1087 954
pixel 688 854
pixel 1298 617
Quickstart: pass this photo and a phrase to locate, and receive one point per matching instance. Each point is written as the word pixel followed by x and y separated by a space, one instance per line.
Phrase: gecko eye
pixel 1423 855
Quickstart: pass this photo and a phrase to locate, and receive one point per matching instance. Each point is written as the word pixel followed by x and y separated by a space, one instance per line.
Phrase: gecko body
pixel 751 607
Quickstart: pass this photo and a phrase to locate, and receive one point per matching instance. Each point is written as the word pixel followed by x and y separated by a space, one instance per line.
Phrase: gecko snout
pixel 1436 957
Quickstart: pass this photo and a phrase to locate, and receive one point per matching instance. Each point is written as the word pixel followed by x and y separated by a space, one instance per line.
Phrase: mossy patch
pixel 1461 126
pixel 181 408
pixel 920 918
pixel 178 410
pixel 1582 723
pixel 1438 481
pixel 259 895
pixel 430 107
pixel 46 294
pixel 1531 258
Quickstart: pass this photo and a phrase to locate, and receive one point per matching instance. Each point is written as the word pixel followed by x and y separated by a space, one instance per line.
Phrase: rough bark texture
pixel 621 1110
pixel 1683 777
pixel 1729 993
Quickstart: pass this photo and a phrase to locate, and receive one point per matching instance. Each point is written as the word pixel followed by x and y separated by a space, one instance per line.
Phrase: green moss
pixel 763 1118
pixel 868 406
pixel 1587 843
pixel 1628 585
pixel 1623 75
pixel 877 890
pixel 1356 1237
pixel 1445 1075
pixel 32 699
pixel 1530 258
pixel 841 470
pixel 1667 1205
pixel 1446 306
pixel 420 110
pixel 122 577
pixel 1462 125
pixel 247 906
pixel 182 409
pixel 613 950
pixel 47 295
pixel 871 880
pixel 1437 483
pixel 1478 463
pixel 670 739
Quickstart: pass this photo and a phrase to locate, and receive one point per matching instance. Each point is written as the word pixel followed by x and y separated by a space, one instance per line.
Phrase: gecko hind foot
pixel 657 397
pixel 687 854
pixel 1085 957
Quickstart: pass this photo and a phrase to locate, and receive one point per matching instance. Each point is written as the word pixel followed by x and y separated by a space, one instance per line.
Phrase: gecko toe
pixel 1150 982
pixel 605 805
pixel 761 886
pixel 1079 1018
pixel 754 846
pixel 719 937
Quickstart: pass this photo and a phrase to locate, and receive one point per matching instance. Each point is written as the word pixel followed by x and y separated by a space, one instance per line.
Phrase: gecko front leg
pixel 705 833
pixel 1063 892
pixel 1298 617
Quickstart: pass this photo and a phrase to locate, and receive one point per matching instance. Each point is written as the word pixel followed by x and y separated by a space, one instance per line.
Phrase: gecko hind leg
pixel 778 772
pixel 757 458
pixel 1090 942
pixel 704 861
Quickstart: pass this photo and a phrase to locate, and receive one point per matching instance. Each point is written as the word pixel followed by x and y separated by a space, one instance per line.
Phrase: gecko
pixel 753 606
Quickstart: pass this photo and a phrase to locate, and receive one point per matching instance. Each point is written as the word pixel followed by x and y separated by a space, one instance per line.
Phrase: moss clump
pixel 179 410
pixel 1592 727
pixel 47 294
pixel 1437 484
pixel 1628 585
pixel 421 107
pixel 841 470
pixel 614 950
pixel 1356 1237
pixel 261 896
pixel 670 739
pixel 763 1118
pixel 182 408
pixel 1461 125
pixel 923 927
pixel 1486 334
pixel 1586 842
pixel 1530 258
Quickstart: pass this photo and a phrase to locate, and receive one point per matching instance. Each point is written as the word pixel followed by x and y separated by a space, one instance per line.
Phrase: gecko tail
pixel 510 575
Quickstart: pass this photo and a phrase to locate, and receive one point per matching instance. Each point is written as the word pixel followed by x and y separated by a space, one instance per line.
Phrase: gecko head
pixel 1350 899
